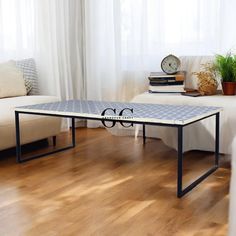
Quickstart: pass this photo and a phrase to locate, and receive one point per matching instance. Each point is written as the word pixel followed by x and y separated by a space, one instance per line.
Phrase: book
pixel 180 76
pixel 161 79
pixel 166 83
pixel 167 89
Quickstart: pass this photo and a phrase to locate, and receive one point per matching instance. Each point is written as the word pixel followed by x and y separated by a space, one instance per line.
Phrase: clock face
pixel 170 64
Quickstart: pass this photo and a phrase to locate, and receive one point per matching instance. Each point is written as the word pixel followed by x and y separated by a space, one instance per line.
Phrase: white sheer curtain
pixel 102 43
pixel 17 29
pixel 126 39
pixel 51 32
pixel 59 56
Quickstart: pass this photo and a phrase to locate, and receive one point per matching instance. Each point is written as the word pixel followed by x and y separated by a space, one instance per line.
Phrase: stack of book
pixel 160 82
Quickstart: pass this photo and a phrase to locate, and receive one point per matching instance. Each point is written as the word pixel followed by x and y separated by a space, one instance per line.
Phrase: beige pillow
pixel 12 83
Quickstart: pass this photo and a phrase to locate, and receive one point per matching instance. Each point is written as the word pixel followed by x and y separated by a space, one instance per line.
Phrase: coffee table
pixel 177 116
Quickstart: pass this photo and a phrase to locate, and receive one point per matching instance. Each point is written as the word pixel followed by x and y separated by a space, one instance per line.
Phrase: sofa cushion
pixel 33 127
pixel 8 105
pixel 11 81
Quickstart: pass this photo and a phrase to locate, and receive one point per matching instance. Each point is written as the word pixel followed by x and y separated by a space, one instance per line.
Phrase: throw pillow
pixel 28 86
pixel 28 67
pixel 11 81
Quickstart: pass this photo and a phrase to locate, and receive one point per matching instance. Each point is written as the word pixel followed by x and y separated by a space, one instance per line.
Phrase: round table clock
pixel 170 64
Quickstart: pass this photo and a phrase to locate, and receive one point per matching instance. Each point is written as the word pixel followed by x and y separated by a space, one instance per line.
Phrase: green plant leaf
pixel 226 67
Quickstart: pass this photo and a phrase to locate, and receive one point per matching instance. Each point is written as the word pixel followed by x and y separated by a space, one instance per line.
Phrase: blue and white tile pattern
pixel 154 113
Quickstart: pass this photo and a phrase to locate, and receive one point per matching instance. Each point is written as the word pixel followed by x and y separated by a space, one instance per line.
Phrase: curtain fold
pixel 102 49
pixel 60 54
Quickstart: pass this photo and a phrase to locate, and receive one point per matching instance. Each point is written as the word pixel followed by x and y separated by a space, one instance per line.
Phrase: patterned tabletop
pixel 136 112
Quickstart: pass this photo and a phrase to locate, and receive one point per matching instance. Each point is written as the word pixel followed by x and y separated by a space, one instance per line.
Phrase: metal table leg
pixel 73 132
pixel 180 191
pixel 19 158
pixel 144 134
pixel 180 161
pixel 54 140
pixel 217 140
pixel 18 146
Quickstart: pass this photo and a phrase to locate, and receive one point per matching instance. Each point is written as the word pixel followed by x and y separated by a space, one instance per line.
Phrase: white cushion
pixel 33 127
pixel 12 83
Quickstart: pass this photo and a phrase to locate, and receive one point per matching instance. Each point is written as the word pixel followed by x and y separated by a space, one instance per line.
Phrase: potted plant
pixel 226 67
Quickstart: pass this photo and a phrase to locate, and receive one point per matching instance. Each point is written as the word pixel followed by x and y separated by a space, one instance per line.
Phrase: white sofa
pixel 33 128
pixel 14 75
pixel 199 136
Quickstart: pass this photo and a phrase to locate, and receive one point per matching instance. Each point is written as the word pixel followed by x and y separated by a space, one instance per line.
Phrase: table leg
pixel 180 161
pixel 73 131
pixel 144 134
pixel 54 141
pixel 180 191
pixel 217 140
pixel 18 145
pixel 18 142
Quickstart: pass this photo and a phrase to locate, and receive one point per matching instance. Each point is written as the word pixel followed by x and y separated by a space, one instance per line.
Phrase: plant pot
pixel 229 88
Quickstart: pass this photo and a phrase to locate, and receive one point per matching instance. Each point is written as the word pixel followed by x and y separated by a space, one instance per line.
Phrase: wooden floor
pixel 111 185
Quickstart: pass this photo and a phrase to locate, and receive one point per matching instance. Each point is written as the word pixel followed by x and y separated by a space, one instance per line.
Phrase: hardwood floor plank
pixel 112 185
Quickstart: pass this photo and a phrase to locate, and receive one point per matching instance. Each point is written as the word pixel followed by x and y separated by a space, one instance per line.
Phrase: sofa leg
pixel 54 140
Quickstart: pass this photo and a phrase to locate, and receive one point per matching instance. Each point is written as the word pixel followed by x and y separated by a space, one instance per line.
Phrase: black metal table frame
pixel 180 190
